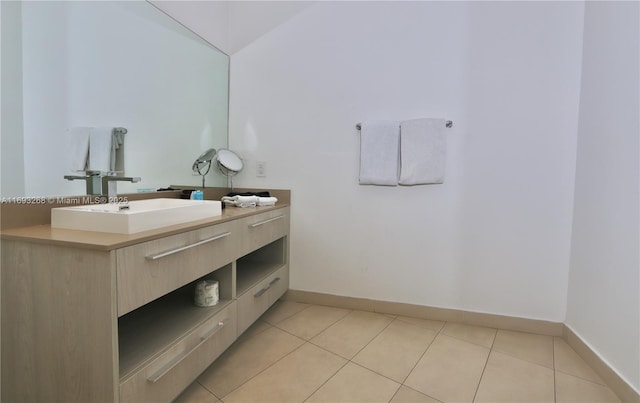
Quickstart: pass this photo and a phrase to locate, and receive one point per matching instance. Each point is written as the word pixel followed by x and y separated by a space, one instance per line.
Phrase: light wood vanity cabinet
pixel 120 324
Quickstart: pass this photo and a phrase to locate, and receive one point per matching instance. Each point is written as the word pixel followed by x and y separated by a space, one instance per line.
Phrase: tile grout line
pixel 328 326
pixel 372 339
pixel 285 318
pixel 553 354
pixel 422 355
pixel 468 341
pixel 583 379
pixel 333 352
pixel 366 344
pixel 418 361
pixel 603 383
pixel 329 378
pixel 349 360
pixel 205 388
pixel 522 359
pixel 313 344
pixel 495 336
pixel 266 368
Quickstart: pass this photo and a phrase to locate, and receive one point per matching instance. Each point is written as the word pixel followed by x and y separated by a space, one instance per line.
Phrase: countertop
pixel 106 241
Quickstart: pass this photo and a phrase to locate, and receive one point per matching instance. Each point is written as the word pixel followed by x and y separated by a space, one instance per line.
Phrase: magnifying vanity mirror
pixel 202 164
pixel 229 163
pixel 125 64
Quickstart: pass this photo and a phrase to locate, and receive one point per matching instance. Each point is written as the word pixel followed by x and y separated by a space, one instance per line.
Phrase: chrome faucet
pixel 111 184
pixel 93 181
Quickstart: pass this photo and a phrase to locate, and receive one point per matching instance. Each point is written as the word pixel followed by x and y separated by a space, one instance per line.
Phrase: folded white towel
pixel 241 201
pixel 267 201
pixel 100 148
pixel 379 146
pixel 422 151
pixel 78 141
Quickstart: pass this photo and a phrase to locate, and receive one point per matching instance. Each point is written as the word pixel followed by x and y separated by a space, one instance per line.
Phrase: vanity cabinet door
pixel 261 229
pixel 165 377
pixel 259 298
pixel 149 270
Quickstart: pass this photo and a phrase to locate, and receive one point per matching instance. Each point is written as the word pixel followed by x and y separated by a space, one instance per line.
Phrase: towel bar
pixel 448 124
pixel 120 130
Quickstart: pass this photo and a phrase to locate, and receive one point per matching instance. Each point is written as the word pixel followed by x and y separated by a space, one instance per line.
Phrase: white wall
pixel 496 236
pixel 604 285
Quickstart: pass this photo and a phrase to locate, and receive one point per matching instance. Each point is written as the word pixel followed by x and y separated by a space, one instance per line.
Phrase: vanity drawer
pixel 253 303
pixel 168 375
pixel 261 229
pixel 152 269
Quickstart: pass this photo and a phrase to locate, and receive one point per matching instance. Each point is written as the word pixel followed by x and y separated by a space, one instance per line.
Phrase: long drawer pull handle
pixel 275 280
pixel 178 359
pixel 262 291
pixel 265 289
pixel 266 221
pixel 172 251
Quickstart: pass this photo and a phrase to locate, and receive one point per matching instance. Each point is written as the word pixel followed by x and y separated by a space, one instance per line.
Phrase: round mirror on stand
pixel 229 163
pixel 202 164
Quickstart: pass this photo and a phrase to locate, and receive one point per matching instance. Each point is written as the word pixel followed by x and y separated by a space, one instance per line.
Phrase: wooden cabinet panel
pixel 59 335
pixel 152 269
pixel 259 298
pixel 260 229
pixel 281 286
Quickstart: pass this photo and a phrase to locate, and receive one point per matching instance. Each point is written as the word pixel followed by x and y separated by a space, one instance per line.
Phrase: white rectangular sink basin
pixel 142 215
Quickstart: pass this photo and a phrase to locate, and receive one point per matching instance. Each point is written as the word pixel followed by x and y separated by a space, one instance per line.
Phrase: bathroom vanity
pixel 90 316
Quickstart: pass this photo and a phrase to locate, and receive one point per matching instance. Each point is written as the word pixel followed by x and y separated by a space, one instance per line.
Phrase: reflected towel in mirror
pixel 78 140
pixel 103 143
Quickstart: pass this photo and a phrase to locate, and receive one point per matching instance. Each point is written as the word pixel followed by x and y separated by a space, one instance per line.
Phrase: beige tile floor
pixel 309 353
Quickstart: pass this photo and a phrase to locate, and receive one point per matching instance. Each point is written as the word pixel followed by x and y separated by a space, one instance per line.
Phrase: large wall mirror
pixel 72 64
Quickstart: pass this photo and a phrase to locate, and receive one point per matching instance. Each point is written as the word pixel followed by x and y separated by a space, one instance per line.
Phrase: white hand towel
pixel 241 201
pixel 100 148
pixel 267 201
pixel 422 151
pixel 78 138
pixel 379 146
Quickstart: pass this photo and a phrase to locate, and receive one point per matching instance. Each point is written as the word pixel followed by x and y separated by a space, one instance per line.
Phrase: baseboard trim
pixel 427 312
pixel 624 391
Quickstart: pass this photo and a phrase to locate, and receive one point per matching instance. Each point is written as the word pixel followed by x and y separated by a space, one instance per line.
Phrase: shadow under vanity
pixel 91 316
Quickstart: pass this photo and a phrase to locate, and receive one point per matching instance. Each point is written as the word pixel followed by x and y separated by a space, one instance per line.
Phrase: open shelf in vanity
pixel 148 331
pixel 257 265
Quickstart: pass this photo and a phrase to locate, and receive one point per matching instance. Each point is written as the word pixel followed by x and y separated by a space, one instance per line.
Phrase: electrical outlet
pixel 261 169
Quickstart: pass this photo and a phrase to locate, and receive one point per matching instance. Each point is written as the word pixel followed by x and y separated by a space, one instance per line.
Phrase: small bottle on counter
pixel 197 195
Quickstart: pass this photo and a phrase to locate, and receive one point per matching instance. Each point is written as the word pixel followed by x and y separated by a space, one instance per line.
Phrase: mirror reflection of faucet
pixel 93 181
pixel 102 184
